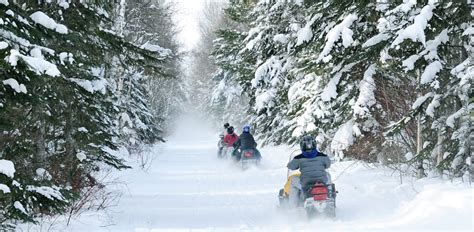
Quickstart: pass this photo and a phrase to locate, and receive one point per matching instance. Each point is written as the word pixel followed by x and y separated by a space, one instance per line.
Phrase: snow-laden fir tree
pixel 58 103
pixel 229 96
pixel 356 74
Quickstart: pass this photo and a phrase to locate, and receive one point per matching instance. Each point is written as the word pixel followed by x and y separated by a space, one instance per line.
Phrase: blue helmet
pixel 246 129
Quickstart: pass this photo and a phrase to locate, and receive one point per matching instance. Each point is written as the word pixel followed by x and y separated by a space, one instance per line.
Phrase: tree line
pixel 381 81
pixel 83 86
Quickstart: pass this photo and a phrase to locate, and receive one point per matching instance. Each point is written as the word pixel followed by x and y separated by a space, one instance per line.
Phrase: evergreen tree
pixel 58 102
pixel 357 74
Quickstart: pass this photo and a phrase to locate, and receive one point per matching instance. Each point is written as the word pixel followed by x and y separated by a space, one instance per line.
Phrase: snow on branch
pixel 415 31
pixel 421 100
pixel 19 88
pixel 344 137
pixel 305 34
pixel 7 168
pixel 366 97
pixel 91 86
pixel 4 188
pixel 46 191
pixel 36 64
pixel 430 72
pixel 338 31
pixel 163 52
pixel 44 20
pixel 330 91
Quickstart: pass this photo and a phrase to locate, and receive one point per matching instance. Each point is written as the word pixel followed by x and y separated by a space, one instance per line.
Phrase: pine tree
pixel 57 112
pixel 357 74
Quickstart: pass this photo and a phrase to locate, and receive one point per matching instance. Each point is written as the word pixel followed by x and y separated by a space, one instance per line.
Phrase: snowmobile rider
pixel 231 137
pixel 221 143
pixel 246 142
pixel 226 125
pixel 312 165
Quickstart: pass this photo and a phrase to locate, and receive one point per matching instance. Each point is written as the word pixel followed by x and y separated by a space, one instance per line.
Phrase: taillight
pixel 319 193
pixel 248 154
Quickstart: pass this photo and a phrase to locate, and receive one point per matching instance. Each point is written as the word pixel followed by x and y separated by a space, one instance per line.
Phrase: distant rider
pixel 246 142
pixel 231 137
pixel 226 125
pixel 312 165
pixel 221 143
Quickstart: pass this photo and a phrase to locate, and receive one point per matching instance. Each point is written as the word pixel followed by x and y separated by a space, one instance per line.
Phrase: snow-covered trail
pixel 188 188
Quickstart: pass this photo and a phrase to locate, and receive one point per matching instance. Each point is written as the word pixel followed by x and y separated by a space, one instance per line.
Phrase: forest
pixel 88 85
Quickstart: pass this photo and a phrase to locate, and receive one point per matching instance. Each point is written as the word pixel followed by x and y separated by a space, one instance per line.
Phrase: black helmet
pixel 226 125
pixel 230 130
pixel 307 143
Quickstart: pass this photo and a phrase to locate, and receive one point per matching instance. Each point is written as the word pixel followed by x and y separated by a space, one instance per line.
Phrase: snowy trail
pixel 188 188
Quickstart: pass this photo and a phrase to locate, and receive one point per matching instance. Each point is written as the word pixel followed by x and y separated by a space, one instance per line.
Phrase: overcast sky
pixel 187 20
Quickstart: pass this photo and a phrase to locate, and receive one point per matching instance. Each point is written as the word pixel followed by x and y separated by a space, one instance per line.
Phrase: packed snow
pixel 187 188
pixel 430 110
pixel 10 12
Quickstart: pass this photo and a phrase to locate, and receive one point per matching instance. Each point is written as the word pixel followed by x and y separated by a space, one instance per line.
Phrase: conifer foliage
pixel 73 90
pixel 358 75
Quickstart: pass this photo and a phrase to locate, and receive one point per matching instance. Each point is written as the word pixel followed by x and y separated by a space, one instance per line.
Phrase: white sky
pixel 187 20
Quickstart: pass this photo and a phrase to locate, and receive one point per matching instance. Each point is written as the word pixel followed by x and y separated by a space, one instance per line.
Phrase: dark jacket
pixel 246 141
pixel 312 165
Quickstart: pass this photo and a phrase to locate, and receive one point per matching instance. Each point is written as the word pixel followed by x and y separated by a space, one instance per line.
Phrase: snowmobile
pixel 248 157
pixel 227 152
pixel 319 200
pixel 220 146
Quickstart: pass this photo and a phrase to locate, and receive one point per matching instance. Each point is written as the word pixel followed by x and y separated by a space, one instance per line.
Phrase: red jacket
pixel 229 140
